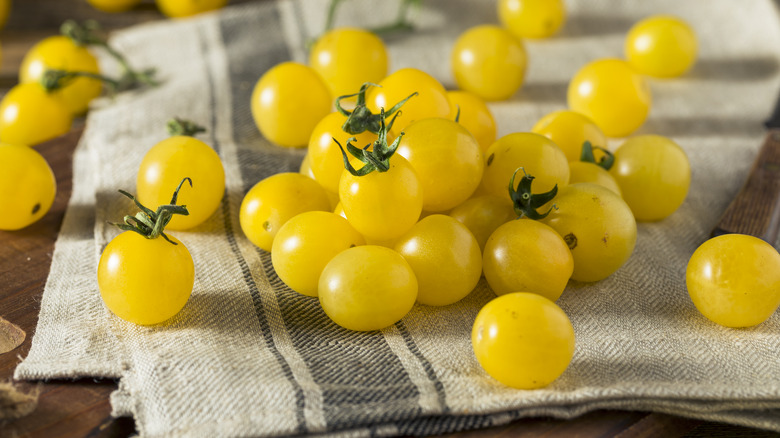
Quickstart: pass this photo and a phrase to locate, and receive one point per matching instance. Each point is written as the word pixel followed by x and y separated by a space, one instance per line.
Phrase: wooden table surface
pixel 81 408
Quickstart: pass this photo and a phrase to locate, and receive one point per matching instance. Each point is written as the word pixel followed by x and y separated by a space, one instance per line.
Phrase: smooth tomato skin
pixel 383 205
pixel 474 116
pixel 145 281
pixel 482 214
pixel 489 61
pixel 585 172
pixel 570 130
pixel 325 158
pixel 523 340
pixel 447 160
pixel 445 258
pixel 367 288
pixel 537 154
pixel 661 46
pixel 612 94
pixel 113 6
pixel 29 115
pixel 597 226
pixel 348 57
pixel 654 176
pixel 61 53
pixel 306 243
pixel 431 100
pixel 287 103
pixel 532 18
pixel 27 186
pixel 167 163
pixel 275 200
pixel 734 280
pixel 187 8
pixel 527 255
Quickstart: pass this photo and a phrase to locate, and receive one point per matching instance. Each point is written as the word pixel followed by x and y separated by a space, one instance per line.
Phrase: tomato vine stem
pixel 524 201
pixel 86 35
pixel 376 158
pixel 151 224
pixel 587 156
pixel 55 79
pixel 177 126
pixel 361 119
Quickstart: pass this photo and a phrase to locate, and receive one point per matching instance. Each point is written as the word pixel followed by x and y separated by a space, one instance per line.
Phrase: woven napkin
pixel 249 357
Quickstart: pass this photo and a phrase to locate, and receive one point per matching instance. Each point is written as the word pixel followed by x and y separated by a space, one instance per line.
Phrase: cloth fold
pixel 249 357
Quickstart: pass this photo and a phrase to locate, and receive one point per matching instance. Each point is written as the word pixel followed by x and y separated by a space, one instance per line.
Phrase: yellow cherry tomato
pixel 61 53
pixel 523 340
pixel 114 6
pixel 734 280
pixel 276 199
pixel 306 243
pixel 489 62
pixel 654 175
pixel 27 186
pixel 445 258
pixel 383 205
pixel 324 154
pixel 186 8
pixel 367 288
pixel 170 161
pixel 447 160
pixel 527 255
pixel 482 214
pixel 30 115
pixel 5 10
pixel 584 172
pixel 431 99
pixel 532 18
pixel 612 94
pixel 538 155
pixel 569 130
pixel 287 103
pixel 346 58
pixel 661 46
pixel 596 225
pixel 474 116
pixel 145 281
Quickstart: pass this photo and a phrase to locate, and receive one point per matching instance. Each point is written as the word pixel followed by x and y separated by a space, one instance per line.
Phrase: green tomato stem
pixel 55 79
pixel 587 156
pixel 525 202
pixel 376 158
pixel 151 224
pixel 361 119
pixel 177 126
pixel 86 35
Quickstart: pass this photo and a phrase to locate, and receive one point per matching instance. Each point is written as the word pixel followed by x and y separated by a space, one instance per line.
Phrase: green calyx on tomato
pixel 524 201
pixel 86 35
pixel 361 118
pixel 151 224
pixel 177 126
pixel 587 156
pixel 378 157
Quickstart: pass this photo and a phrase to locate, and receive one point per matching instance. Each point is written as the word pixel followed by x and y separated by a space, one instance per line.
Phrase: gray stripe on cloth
pixel 352 369
pixel 252 169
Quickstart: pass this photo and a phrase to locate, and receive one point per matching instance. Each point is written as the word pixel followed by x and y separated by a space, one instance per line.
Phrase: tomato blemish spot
pixel 490 159
pixel 605 238
pixel 36 208
pixel 571 240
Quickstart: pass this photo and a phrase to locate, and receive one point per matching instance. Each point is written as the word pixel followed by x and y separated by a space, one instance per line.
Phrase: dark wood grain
pixel 81 408
pixel 756 208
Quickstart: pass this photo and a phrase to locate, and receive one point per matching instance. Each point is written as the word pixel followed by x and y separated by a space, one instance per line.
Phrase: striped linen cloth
pixel 249 357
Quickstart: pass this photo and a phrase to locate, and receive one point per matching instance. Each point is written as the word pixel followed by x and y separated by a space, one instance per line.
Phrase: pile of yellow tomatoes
pixel 406 196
